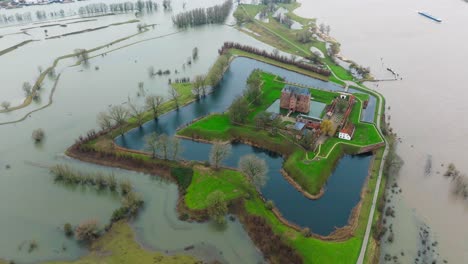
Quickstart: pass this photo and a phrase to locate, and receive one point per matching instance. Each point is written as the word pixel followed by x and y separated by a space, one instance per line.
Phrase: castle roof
pixel 296 90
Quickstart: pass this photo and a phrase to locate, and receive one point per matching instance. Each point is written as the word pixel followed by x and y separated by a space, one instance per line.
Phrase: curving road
pixel 365 241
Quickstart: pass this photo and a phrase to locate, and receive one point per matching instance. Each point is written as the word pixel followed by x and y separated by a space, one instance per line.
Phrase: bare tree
pixel 152 143
pixel 255 169
pixel 6 105
pixel 163 146
pixel 198 86
pixel 154 102
pixel 195 53
pixel 219 152
pixel 151 72
pixel 174 96
pixel 176 148
pixel 138 113
pixel 141 90
pixel 119 114
pixel 104 120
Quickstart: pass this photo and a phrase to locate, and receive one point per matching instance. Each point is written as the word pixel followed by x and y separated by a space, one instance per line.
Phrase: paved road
pixel 365 241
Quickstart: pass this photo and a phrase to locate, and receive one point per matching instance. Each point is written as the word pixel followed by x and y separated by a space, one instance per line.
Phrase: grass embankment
pixel 279 64
pixel 119 246
pixel 94 29
pixel 283 38
pixel 310 175
pixel 12 48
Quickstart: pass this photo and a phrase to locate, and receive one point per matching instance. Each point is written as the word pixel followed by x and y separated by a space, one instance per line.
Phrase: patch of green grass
pixel 205 181
pixel 119 246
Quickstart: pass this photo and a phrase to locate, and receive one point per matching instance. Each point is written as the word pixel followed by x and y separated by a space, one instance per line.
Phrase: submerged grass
pixel 119 246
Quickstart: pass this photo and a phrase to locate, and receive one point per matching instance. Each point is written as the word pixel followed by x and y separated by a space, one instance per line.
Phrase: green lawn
pixel 205 181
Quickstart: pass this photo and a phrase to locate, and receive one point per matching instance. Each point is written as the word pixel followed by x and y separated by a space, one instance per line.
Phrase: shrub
pixel 68 229
pixel 87 231
pixel 38 135
pixel 269 205
pixel 32 245
pixel 125 187
pixel 118 214
pixel 306 232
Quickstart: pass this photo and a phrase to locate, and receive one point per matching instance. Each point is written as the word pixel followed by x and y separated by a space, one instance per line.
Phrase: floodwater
pixel 33 207
pixel 428 106
pixel 343 188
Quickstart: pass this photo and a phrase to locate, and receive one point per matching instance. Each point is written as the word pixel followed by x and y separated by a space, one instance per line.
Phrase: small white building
pixel 347 132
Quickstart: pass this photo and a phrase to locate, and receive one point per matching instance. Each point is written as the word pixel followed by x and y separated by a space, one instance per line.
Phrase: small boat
pixel 430 16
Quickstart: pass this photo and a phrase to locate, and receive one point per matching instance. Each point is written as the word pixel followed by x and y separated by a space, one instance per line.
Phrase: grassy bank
pixel 119 246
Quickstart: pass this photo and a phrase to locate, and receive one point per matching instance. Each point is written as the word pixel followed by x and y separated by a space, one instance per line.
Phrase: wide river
pixel 428 108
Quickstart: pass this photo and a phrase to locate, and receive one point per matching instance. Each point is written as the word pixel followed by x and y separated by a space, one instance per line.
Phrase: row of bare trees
pixel 201 16
pixel 122 7
pixel 275 56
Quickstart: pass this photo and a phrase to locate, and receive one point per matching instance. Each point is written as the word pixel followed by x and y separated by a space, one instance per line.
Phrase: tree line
pixel 212 15
pixel 275 56
pixel 123 7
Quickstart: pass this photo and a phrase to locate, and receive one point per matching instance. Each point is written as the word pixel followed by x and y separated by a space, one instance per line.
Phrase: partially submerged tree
pixel 119 114
pixel 38 135
pixel 255 169
pixel 195 53
pixel 219 152
pixel 174 96
pixel 217 206
pixel 138 113
pixel 6 105
pixel 104 120
pixel 154 103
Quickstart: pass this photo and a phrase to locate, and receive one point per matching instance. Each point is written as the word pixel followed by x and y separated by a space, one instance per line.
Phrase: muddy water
pixel 427 107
